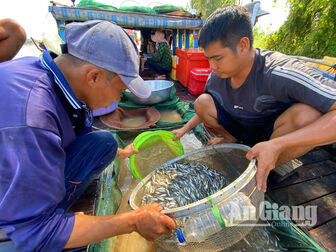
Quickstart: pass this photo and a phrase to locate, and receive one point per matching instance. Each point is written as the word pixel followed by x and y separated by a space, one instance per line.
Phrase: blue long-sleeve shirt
pixel 35 128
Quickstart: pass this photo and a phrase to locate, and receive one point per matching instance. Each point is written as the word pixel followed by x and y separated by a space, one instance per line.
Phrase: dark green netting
pixel 94 4
pixel 290 236
pixel 109 198
pixel 199 133
pixel 166 8
pixel 128 104
pixel 185 109
pixel 141 9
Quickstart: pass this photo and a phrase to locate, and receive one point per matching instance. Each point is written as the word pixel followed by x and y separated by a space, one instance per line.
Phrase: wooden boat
pixel 312 183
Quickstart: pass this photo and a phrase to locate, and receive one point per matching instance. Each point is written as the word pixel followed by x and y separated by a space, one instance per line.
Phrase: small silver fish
pixel 179 184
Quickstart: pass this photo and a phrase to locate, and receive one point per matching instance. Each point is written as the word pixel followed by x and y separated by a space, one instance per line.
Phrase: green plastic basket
pixel 151 138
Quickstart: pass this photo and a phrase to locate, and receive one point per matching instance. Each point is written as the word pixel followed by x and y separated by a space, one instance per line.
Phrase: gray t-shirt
pixel 276 82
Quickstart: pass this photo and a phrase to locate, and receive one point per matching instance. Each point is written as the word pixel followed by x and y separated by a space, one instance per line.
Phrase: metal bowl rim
pixel 202 204
pixel 171 84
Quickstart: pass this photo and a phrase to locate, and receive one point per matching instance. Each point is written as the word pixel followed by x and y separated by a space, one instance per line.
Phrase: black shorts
pixel 245 134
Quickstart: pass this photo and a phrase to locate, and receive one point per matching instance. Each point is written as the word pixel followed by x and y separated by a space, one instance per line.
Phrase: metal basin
pixel 160 92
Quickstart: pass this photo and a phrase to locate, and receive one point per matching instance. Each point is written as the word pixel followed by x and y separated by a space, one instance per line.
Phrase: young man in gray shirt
pixel 264 99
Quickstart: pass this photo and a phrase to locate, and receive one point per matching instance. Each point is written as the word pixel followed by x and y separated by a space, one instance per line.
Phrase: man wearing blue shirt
pixel 48 153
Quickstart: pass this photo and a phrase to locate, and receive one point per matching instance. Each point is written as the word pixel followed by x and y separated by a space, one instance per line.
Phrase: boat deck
pixel 313 183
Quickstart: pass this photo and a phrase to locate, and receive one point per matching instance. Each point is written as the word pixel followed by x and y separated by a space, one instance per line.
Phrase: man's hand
pixel 151 223
pixel 148 221
pixel 127 151
pixel 178 133
pixel 193 122
pixel 267 154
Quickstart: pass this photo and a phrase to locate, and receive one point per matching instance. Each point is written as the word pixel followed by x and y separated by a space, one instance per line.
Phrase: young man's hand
pixel 267 154
pixel 178 133
pixel 127 151
pixel 151 223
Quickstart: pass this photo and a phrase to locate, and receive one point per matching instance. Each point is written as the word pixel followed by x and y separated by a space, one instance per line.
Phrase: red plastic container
pixel 187 60
pixel 197 80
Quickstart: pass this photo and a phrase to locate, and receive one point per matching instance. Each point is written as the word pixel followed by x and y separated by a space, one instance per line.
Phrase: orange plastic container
pixel 188 59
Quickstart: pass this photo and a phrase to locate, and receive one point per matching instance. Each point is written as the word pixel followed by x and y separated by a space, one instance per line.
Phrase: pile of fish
pixel 180 184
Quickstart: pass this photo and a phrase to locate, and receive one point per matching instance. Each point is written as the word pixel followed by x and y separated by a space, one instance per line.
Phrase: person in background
pixel 264 99
pixel 49 155
pixel 12 38
pixel 161 61
pixel 255 11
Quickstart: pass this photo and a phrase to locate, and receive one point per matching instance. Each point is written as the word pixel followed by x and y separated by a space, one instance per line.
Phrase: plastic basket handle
pixel 253 162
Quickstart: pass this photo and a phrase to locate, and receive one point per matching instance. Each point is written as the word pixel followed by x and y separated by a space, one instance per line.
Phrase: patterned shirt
pixel 163 56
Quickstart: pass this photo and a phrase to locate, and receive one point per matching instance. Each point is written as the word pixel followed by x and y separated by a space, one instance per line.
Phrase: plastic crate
pixel 187 60
pixel 197 80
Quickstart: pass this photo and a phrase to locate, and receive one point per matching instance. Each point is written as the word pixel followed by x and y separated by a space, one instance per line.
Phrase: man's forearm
pixel 320 132
pixel 90 229
pixel 119 152
pixel 193 122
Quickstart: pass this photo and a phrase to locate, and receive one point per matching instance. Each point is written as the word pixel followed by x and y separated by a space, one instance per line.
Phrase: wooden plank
pixel 331 148
pixel 325 235
pixel 86 203
pixel 183 94
pixel 304 173
pixel 287 169
pixel 303 192
pixel 283 172
pixel 316 155
pixel 326 210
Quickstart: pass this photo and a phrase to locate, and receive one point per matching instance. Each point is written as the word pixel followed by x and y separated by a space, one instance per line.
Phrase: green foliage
pixel 259 38
pixel 206 7
pixel 309 31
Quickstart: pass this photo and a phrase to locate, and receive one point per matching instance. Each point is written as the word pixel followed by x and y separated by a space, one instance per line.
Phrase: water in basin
pixel 134 122
pixel 170 116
